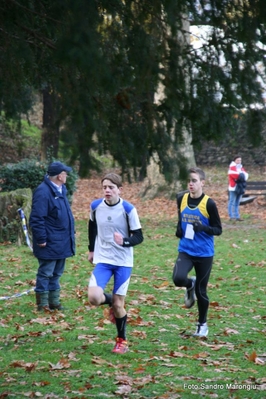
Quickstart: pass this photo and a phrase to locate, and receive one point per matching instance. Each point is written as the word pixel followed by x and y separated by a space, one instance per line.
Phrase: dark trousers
pixel 48 275
pixel 202 266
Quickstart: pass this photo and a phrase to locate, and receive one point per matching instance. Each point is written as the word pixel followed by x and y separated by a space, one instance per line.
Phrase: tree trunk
pixel 155 181
pixel 50 133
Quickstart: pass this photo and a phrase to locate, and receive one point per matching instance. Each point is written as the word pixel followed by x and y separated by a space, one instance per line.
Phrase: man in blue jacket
pixel 52 225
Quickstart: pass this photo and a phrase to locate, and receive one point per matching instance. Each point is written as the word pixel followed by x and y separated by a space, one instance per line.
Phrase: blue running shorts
pixel 103 272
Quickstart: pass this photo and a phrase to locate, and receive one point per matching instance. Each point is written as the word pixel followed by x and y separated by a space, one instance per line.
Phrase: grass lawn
pixel 68 354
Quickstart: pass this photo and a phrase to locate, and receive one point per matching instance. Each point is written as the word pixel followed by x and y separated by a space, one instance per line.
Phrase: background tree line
pixel 101 66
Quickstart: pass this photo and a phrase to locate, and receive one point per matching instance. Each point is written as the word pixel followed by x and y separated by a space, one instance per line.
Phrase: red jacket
pixel 233 173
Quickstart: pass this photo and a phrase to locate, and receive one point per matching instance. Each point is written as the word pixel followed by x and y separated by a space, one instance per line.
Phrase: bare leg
pixel 96 296
pixel 119 306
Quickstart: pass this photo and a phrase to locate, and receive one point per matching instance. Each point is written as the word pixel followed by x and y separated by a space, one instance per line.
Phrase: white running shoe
pixel 190 296
pixel 201 331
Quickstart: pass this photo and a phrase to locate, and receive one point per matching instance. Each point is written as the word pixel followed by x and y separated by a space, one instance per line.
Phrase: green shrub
pixel 29 173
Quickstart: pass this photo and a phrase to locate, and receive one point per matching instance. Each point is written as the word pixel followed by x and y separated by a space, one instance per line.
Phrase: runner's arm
pixel 215 227
pixel 92 233
pixel 135 238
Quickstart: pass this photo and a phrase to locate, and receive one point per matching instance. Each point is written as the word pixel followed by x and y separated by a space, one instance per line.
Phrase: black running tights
pixel 202 266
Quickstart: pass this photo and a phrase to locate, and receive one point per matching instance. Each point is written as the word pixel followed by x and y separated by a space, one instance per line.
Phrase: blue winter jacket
pixel 51 221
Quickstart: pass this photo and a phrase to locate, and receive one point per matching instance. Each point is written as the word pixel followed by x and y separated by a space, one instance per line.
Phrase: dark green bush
pixel 29 173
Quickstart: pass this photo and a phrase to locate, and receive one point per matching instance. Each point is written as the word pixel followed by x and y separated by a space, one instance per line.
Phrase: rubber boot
pixel 54 300
pixel 42 300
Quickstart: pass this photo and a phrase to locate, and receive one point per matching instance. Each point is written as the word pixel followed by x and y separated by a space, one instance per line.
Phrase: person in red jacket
pixel 235 169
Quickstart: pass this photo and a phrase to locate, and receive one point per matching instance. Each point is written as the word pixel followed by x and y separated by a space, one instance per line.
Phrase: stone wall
pixel 224 151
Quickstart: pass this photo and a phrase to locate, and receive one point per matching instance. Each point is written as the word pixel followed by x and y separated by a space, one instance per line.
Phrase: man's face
pixel 238 161
pixel 195 185
pixel 62 177
pixel 111 192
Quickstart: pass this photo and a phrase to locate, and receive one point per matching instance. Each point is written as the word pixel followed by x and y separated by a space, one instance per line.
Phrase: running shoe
pixel 190 296
pixel 201 331
pixel 120 346
pixel 111 315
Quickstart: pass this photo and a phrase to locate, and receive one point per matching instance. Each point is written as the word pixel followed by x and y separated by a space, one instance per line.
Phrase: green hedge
pixel 29 173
